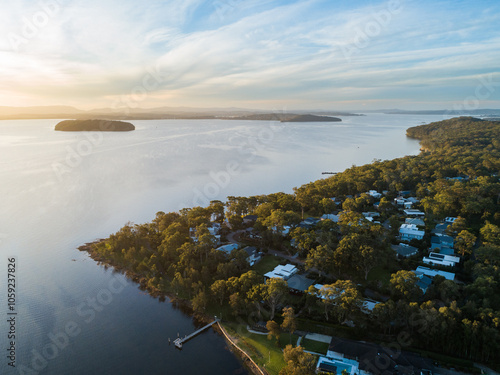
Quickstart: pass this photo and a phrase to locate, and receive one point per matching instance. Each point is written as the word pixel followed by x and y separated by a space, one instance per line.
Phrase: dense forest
pixel 456 175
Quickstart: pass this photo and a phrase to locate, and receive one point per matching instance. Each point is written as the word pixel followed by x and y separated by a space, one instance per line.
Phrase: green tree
pixel 342 297
pixel 465 242
pixel 273 329
pixel 276 293
pixel 403 284
pixel 298 362
pixel 219 290
pixel 289 321
pixel 490 233
pixel 200 302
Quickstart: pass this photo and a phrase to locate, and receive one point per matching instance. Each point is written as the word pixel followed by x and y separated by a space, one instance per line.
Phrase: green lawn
pixel 263 351
pixel 266 264
pixel 314 346
pixel 380 274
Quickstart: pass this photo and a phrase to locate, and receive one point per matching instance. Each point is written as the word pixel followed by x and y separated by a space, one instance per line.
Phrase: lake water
pixel 62 189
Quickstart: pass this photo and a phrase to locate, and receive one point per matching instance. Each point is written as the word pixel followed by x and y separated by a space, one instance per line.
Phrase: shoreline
pixel 184 304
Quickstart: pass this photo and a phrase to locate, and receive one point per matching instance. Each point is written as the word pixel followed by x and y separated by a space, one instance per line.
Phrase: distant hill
pixel 286 117
pixel 94 125
pixel 159 113
pixel 311 118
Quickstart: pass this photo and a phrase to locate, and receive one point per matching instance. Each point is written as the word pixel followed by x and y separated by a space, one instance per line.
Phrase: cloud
pixel 246 51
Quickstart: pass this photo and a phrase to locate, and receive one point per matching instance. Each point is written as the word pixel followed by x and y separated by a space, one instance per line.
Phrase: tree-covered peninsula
pixel 94 125
pixel 405 248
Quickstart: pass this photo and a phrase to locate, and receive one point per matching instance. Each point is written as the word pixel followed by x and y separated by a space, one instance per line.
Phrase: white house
pixel 400 201
pixel 441 259
pixel 413 212
pixel 431 273
pixel 408 232
pixel 337 365
pixel 375 194
pixel 282 272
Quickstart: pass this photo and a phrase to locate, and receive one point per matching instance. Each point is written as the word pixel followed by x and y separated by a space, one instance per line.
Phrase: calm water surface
pixel 62 189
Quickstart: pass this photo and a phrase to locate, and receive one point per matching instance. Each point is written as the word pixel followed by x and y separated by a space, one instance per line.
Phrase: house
pixel 213 230
pixel 407 205
pixel 408 232
pixel 228 248
pixel 413 212
pixel 253 255
pixel 440 228
pixel 368 305
pixel 412 200
pixel 371 214
pixel 375 194
pixel 404 193
pixel 416 221
pixel 450 220
pixel 439 241
pixel 284 231
pixel 424 282
pixel 299 283
pixel 400 201
pixel 365 358
pixel 431 273
pixel 441 259
pixel 405 250
pixel 446 250
pixel 309 222
pixel 282 272
pixel 332 217
pixel 336 366
pixel 249 219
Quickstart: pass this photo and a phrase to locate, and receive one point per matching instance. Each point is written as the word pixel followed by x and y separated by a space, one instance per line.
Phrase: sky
pixel 307 54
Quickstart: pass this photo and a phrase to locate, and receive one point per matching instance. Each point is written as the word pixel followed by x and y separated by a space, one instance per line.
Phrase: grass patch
pixel 263 351
pixel 266 264
pixel 381 274
pixel 314 346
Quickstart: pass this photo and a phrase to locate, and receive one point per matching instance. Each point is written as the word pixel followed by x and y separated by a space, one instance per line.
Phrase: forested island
pixel 403 254
pixel 94 125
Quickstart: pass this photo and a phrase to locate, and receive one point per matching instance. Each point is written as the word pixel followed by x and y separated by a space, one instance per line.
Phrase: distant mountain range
pixel 67 112
pixel 475 112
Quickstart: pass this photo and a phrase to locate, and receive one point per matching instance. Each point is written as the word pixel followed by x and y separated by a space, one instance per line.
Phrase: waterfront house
pixel 364 358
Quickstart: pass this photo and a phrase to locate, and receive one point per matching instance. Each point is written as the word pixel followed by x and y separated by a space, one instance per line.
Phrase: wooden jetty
pixel 181 340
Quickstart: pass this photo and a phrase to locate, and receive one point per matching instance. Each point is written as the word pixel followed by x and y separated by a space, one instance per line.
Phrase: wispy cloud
pixel 230 52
